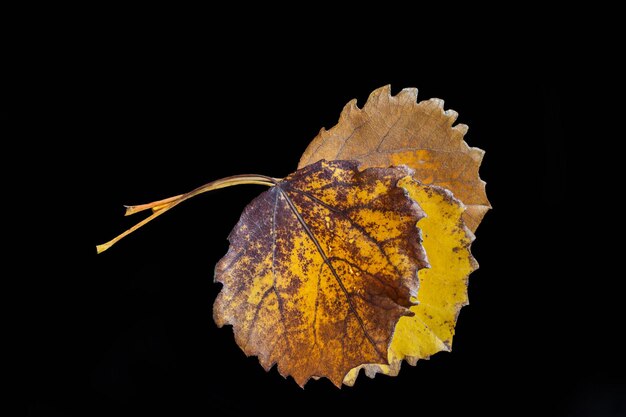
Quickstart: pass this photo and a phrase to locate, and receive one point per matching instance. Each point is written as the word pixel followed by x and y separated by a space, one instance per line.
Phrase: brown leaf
pixel 395 130
pixel 320 269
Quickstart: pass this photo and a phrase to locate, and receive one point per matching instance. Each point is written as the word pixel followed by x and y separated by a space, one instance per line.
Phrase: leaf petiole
pixel 161 206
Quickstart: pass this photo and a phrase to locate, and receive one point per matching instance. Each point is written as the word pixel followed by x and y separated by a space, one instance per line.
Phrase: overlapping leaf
pixel 397 130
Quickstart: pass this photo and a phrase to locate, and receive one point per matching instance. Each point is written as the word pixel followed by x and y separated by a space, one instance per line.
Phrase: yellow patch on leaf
pixel 443 287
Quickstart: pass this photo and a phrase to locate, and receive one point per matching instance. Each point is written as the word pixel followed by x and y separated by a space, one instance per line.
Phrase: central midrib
pixel 308 231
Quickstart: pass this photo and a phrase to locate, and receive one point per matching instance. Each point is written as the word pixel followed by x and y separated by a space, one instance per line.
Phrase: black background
pixel 131 331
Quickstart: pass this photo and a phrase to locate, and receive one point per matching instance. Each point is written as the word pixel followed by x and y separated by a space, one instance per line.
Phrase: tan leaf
pixel 396 130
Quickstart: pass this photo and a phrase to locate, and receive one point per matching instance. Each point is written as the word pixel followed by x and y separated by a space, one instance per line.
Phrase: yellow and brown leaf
pixel 320 269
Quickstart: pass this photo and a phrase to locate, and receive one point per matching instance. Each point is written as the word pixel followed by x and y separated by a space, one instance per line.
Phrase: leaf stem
pixel 161 206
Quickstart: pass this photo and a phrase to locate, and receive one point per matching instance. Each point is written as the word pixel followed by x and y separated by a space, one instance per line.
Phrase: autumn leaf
pixel 396 130
pixel 443 287
pixel 320 268
pixel 321 276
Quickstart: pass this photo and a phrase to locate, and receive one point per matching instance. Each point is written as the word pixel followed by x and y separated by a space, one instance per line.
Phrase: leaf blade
pixel 320 306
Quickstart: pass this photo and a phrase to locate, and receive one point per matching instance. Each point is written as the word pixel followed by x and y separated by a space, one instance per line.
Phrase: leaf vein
pixel 308 231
